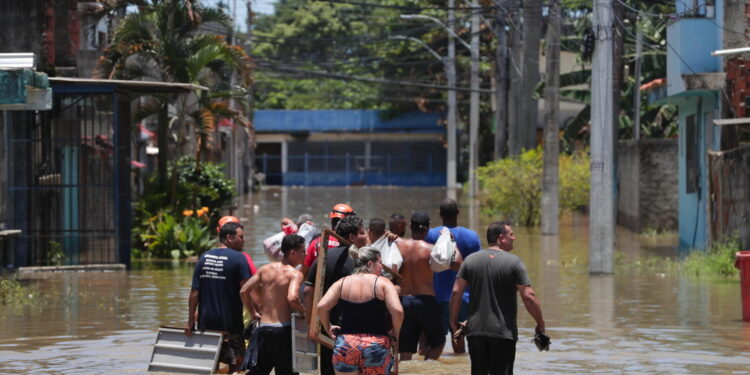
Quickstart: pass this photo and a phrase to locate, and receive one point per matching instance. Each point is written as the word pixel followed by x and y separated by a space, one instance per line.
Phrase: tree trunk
pixel 551 173
pixel 532 35
pixel 515 69
pixel 501 85
pixel 162 141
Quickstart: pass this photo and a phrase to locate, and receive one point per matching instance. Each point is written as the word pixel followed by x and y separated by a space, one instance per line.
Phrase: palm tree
pixel 163 41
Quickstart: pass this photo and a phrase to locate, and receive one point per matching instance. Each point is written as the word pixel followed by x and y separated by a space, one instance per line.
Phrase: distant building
pixel 714 191
pixel 350 147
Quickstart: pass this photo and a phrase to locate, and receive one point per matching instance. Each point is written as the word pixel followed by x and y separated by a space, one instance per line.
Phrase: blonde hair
pixel 362 256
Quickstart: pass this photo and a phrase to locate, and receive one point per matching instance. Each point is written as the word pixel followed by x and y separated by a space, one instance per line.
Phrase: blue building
pixel 350 147
pixel 696 83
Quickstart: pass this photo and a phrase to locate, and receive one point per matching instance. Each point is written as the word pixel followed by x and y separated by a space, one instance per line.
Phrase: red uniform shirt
pixel 312 250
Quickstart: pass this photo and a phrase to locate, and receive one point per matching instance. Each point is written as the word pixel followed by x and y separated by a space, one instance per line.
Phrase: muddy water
pixel 632 322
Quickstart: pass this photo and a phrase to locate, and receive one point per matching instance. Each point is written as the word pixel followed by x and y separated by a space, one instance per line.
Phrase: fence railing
pixel 347 169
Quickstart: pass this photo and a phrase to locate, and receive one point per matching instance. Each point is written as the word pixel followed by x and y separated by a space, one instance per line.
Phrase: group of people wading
pixel 367 314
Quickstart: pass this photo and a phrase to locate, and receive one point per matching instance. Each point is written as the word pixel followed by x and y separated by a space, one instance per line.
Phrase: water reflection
pixel 631 322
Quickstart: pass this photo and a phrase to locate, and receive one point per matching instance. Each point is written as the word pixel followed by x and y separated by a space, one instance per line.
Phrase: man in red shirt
pixel 338 212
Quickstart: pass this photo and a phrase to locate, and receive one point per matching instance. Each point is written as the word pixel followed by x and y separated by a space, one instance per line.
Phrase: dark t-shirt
pixel 217 276
pixel 493 277
pixel 338 265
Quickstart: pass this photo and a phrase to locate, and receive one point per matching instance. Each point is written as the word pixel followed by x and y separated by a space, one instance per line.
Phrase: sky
pixel 259 6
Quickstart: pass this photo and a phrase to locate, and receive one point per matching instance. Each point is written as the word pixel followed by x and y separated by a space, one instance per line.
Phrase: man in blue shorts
pixel 467 242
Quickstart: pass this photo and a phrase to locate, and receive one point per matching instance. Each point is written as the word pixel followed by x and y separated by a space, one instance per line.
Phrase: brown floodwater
pixel 637 321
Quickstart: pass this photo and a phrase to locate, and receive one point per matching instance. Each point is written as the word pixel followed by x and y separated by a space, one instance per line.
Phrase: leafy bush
pixel 717 260
pixel 512 187
pixel 162 227
pixel 170 236
pixel 12 292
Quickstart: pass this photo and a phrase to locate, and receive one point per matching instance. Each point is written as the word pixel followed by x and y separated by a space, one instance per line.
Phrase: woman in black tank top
pixel 366 335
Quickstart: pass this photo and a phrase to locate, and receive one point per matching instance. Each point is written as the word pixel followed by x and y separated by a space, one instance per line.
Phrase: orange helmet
pixel 224 220
pixel 341 211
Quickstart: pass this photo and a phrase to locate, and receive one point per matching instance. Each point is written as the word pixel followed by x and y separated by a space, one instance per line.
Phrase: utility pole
pixel 551 173
pixel 501 83
pixel 637 89
pixel 601 197
pixel 452 103
pixel 474 106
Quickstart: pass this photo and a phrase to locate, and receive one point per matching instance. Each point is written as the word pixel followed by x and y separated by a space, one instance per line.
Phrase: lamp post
pixel 449 63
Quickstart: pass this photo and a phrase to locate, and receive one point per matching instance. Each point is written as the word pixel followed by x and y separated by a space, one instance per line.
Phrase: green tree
pixel 164 41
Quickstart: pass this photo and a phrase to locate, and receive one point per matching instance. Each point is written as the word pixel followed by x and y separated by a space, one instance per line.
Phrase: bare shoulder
pixel 424 247
pixel 405 244
pixel 382 280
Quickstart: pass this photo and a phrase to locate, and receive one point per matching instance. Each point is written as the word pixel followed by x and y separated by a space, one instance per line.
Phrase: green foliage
pixel 55 254
pixel 167 236
pixel 12 292
pixel 182 220
pixel 717 260
pixel 512 187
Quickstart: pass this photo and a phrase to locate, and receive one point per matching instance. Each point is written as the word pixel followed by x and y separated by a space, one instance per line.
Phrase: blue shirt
pixel 468 242
pixel 217 277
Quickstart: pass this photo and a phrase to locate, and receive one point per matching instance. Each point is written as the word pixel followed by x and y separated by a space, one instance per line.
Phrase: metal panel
pixel 176 352
pixel 64 186
pixel 305 358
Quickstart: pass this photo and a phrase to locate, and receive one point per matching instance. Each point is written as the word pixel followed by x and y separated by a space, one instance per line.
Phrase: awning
pixel 135 86
pixel 732 121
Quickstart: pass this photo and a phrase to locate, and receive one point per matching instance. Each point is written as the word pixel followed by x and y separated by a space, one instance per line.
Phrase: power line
pixel 385 81
pixel 403 7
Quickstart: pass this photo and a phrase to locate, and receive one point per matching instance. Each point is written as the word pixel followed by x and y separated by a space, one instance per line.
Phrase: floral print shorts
pixel 368 354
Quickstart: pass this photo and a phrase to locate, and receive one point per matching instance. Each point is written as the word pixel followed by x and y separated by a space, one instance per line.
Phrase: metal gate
pixel 64 180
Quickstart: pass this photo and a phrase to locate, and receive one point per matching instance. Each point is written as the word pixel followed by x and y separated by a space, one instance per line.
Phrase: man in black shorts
pixel 494 276
pixel 279 282
pixel 422 312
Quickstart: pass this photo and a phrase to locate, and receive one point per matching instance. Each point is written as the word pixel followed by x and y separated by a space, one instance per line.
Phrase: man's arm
pixel 293 293
pixel 455 303
pixel 247 289
pixel 457 261
pixel 192 306
pixel 532 306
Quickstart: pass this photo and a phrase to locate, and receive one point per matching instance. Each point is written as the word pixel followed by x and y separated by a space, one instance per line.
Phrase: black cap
pixel 420 220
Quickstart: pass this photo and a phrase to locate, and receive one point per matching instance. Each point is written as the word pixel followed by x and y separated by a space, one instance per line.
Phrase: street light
pixel 449 64
pixel 450 68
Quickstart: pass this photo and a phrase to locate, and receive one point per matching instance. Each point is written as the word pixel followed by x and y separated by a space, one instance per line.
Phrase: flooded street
pixel 633 322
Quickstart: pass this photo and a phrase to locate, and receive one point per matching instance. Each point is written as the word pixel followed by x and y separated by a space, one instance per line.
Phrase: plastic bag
pixel 272 246
pixel 442 252
pixel 390 255
pixel 308 232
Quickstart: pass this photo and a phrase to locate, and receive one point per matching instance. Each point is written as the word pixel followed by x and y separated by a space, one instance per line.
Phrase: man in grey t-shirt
pixel 494 275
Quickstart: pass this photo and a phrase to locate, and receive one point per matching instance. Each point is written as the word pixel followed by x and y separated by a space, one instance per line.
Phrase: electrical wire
pixel 403 7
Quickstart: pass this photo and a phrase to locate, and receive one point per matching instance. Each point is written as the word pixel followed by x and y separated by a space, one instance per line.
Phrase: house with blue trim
pixel 350 147
pixel 712 198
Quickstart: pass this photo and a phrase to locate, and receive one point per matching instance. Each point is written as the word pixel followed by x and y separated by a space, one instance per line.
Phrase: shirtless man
pixel 279 282
pixel 422 313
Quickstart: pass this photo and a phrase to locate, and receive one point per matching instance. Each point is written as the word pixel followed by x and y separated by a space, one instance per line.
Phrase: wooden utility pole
pixel 601 198
pixel 452 103
pixel 637 88
pixel 551 173
pixel 474 105
pixel 532 36
pixel 515 64
pixel 501 82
